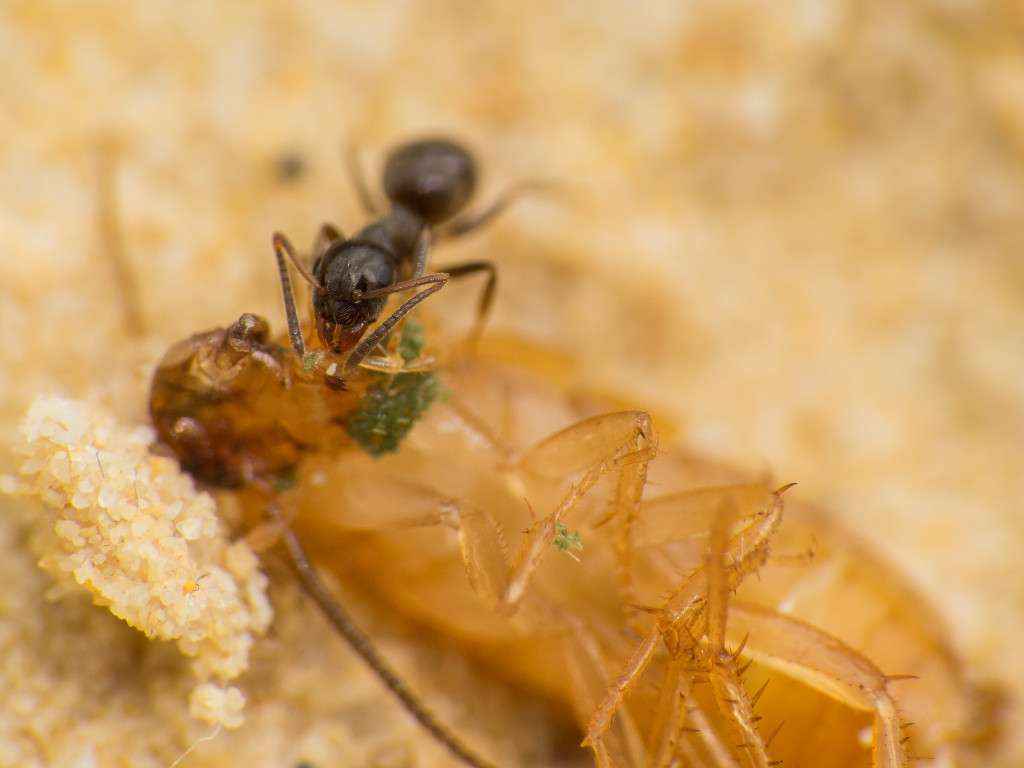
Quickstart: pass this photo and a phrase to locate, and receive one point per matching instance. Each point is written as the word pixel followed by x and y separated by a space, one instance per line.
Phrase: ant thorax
pixel 396 233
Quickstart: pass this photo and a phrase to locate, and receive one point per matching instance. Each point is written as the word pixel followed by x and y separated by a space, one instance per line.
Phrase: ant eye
pixel 362 285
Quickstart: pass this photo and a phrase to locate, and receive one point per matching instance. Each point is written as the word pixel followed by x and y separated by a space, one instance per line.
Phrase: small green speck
pixel 567 541
pixel 411 342
pixel 311 360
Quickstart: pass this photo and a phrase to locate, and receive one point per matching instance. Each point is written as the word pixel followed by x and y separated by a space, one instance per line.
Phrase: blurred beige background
pixel 795 227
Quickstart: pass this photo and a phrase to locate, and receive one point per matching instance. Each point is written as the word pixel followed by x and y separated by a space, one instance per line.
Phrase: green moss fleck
pixel 393 405
pixel 567 541
pixel 411 342
pixel 312 360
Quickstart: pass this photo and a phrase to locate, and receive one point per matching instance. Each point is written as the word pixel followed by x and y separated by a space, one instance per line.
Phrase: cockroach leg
pixel 746 551
pixel 826 663
pixel 690 514
pixel 623 443
pixel 669 715
pixel 731 698
pixel 478 429
pixel 587 663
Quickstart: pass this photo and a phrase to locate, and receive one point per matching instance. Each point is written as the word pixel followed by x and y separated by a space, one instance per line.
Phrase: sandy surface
pixel 795 230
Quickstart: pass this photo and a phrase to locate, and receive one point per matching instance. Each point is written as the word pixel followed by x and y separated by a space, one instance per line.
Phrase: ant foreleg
pixel 469 222
pixel 284 248
pixel 435 282
pixel 456 271
pixel 358 178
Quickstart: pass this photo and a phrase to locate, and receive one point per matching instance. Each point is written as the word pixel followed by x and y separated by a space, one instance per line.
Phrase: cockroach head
pixel 247 331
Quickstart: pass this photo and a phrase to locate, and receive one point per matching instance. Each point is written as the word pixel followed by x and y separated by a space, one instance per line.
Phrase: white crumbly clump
pixel 215 704
pixel 130 528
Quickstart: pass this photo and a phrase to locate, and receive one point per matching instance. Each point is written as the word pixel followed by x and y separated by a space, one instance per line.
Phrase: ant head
pixel 348 269
pixel 433 178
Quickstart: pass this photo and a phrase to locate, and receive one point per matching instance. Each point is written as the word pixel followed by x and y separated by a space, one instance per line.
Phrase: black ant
pixel 428 184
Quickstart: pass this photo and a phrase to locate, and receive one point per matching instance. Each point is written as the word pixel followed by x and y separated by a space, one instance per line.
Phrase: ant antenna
pixel 436 280
pixel 281 244
pixel 363 646
pixel 404 285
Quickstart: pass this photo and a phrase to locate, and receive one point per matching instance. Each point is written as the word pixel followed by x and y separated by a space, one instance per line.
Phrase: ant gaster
pixel 428 184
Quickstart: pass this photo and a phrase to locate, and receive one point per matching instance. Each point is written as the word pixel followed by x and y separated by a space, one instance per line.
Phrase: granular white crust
pixel 130 528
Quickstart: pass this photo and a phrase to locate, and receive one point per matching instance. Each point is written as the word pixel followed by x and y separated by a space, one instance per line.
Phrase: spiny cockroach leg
pixel 747 550
pixel 669 716
pixel 735 706
pixel 617 442
pixel 587 664
pixel 825 662
pixel 709 737
pixel 759 693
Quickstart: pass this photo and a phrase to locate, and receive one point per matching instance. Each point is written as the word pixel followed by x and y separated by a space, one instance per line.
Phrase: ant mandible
pixel 428 184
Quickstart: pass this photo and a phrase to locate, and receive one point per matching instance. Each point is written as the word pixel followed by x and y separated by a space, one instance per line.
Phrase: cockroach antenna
pixel 340 619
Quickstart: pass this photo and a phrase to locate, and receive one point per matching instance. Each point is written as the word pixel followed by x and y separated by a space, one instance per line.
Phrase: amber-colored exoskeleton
pixel 547 531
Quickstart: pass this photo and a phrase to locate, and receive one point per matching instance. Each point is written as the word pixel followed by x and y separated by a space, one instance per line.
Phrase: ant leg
pixel 380 333
pixel 463 225
pixel 112 239
pixel 328 234
pixel 339 618
pixel 456 271
pixel 358 178
pixel 284 248
pixel 419 261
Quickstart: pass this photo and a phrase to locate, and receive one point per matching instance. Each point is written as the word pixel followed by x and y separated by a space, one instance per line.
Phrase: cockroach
pixel 693 587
